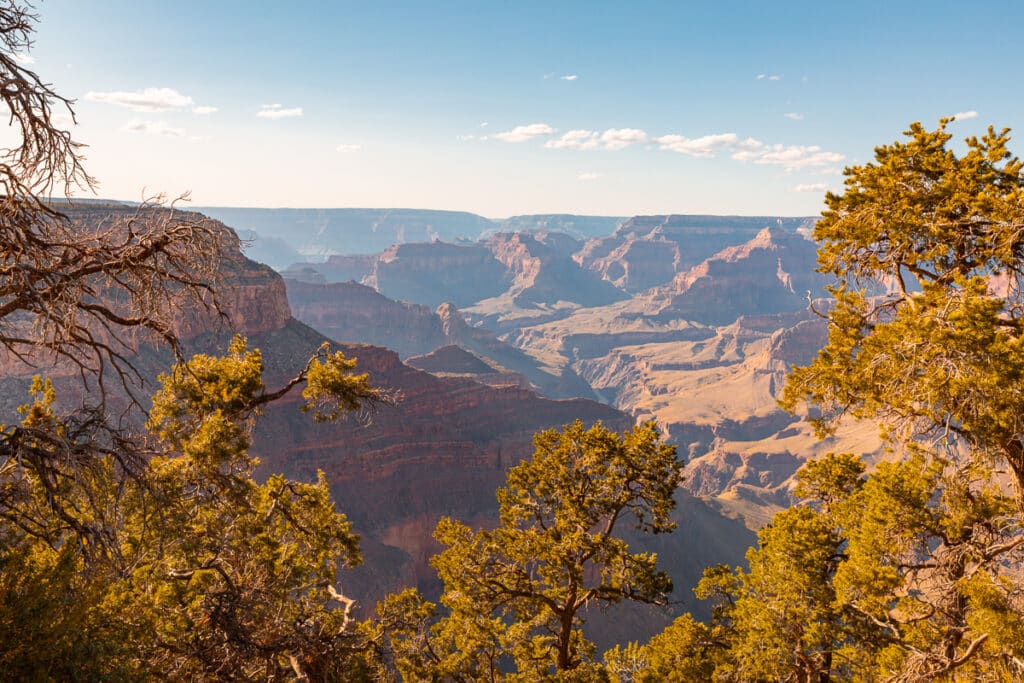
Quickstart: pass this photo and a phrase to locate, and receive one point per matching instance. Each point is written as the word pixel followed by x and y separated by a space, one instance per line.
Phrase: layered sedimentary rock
pixel 647 251
pixel 352 312
pixel 580 227
pixel 455 361
pixel 435 273
pixel 337 268
pixel 771 273
pixel 545 274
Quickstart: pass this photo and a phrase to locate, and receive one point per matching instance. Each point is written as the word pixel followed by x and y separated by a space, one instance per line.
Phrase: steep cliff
pixel 356 313
pixel 435 273
pixel 771 273
pixel 646 251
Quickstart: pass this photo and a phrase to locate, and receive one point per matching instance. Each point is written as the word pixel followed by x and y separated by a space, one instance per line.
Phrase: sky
pixel 504 108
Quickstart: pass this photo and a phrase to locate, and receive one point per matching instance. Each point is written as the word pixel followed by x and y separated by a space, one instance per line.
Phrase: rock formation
pixel 771 273
pixel 647 251
pixel 435 273
pixel 352 312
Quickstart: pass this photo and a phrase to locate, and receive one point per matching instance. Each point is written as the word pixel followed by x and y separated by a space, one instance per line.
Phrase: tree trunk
pixel 564 641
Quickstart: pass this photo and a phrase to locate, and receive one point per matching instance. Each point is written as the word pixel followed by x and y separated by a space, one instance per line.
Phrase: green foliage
pixel 934 553
pixel 926 329
pixel 909 573
pixel 685 651
pixel 514 594
pixel 331 390
pixel 175 562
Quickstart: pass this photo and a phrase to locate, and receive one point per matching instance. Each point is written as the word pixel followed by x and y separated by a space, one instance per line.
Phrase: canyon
pixel 692 321
pixel 463 405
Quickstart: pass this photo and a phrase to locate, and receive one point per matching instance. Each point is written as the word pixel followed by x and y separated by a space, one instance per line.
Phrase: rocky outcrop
pixel 454 361
pixel 647 251
pixel 435 273
pixel 771 273
pixel 639 264
pixel 545 275
pixel 253 301
pixel 356 313
pixel 351 312
pixel 337 268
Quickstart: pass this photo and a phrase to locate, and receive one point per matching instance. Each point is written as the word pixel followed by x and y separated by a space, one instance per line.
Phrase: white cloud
pixel 770 77
pixel 204 110
pixel 524 133
pixel 148 100
pixel 585 177
pixel 465 138
pixel 276 111
pixel 706 146
pixel 775 78
pixel 790 157
pixel 574 139
pixel 346 147
pixel 549 75
pixel 25 59
pixel 811 187
pixel 483 124
pixel 154 128
pixel 570 77
pixel 621 138
pixel 965 115
pixel 612 139
pixel 794 116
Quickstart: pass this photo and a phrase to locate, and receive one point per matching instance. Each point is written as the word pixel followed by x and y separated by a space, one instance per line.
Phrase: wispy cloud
pixel 769 77
pixel 524 133
pixel 276 111
pixel 569 77
pixel 612 139
pixel 24 59
pixel 587 177
pixel 147 100
pixel 465 138
pixel 795 116
pixel 706 146
pixel 790 157
pixel 621 138
pixel 483 124
pixel 347 147
pixel 811 187
pixel 574 139
pixel 965 115
pixel 154 128
pixel 202 111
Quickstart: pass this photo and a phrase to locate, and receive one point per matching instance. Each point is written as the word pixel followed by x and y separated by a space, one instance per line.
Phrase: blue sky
pixel 525 107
